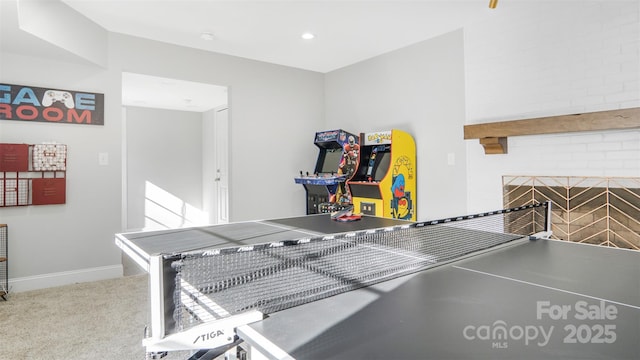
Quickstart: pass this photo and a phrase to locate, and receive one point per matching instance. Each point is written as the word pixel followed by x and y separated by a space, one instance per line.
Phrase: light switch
pixel 451 159
pixel 103 158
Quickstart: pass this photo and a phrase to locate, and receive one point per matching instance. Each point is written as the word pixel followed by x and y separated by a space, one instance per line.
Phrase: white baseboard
pixel 64 278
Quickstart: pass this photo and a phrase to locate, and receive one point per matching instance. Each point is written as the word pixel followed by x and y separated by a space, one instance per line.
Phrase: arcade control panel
pixel 318 198
pixel 320 179
pixel 327 207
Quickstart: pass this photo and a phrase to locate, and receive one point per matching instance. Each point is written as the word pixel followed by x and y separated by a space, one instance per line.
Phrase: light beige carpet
pixel 97 320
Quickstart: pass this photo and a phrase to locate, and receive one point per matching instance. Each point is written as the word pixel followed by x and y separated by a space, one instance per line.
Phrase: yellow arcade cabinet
pixel 385 183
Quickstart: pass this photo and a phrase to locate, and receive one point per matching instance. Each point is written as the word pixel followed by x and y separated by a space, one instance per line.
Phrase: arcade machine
pixel 385 183
pixel 337 163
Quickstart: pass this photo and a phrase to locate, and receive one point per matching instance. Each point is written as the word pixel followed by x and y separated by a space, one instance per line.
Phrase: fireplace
pixel 595 210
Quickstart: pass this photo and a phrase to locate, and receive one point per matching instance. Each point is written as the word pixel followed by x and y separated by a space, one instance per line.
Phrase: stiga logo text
pixel 209 336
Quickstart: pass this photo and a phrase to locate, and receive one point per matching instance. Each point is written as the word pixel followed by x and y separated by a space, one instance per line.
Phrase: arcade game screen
pixel 374 164
pixel 331 160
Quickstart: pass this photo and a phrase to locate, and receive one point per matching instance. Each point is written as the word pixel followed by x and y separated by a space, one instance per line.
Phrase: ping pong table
pixel 530 298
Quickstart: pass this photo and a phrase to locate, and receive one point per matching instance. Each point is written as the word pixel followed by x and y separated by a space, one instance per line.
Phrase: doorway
pixel 170 176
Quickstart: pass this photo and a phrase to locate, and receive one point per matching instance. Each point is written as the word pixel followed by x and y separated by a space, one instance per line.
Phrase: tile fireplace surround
pixel 596 210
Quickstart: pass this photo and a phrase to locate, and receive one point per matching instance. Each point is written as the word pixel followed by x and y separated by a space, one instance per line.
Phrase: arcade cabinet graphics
pixel 385 183
pixel 337 162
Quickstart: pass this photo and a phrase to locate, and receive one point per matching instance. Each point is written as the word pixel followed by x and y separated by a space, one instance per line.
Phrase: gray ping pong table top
pixel 532 299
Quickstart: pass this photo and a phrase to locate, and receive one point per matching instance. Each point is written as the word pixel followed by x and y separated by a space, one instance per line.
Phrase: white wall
pixel 57 244
pixel 164 168
pixel 418 89
pixel 552 58
pixel 270 106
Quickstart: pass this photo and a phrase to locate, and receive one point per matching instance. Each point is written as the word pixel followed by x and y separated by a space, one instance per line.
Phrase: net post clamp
pixel 541 235
pixel 209 335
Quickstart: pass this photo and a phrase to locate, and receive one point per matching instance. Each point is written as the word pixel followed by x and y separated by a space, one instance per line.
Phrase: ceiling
pixel 172 94
pixel 346 32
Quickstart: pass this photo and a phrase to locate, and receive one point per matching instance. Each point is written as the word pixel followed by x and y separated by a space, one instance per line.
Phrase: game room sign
pixel 28 103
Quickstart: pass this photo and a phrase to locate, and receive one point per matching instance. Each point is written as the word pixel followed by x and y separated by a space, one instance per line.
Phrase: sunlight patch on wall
pixel 163 210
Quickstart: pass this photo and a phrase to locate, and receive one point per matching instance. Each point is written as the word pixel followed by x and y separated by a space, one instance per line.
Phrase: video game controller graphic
pixel 51 96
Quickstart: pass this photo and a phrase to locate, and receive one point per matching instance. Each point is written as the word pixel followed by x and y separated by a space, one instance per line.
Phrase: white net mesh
pixel 217 283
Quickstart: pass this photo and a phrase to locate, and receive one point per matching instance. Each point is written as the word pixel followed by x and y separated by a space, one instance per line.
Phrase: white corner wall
pixel 62 26
pixel 552 58
pixel 418 89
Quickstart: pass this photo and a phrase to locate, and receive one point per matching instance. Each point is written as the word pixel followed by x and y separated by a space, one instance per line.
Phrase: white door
pixel 221 131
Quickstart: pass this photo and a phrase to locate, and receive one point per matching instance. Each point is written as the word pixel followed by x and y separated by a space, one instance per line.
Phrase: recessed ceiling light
pixel 308 36
pixel 207 36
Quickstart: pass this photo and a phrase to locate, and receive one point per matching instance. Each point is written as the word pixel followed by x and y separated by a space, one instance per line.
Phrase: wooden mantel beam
pixel 495 134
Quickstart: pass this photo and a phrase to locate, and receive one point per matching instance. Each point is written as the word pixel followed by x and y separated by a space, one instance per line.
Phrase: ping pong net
pixel 212 284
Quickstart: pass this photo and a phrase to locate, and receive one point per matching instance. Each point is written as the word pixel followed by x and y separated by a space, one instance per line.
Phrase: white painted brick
pixel 561 156
pixel 621 172
pixel 630 104
pixel 591 100
pixel 620 77
pixel 608 88
pixel 587 137
pixel 630 47
pixel 557 104
pixel 613 48
pixel 550 139
pixel 523 142
pixel 630 66
pixel 621 155
pixel 607 164
pixel 632 166
pixel 620 15
pixel 609 32
pixel 621 135
pixel 632 85
pixel 589 155
pixel 606 69
pixel 593 80
pixel 620 97
pixel 604 146
pixel 600 107
pixel 614 55
pixel 576 164
pixel 559 150
pixel 629 29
